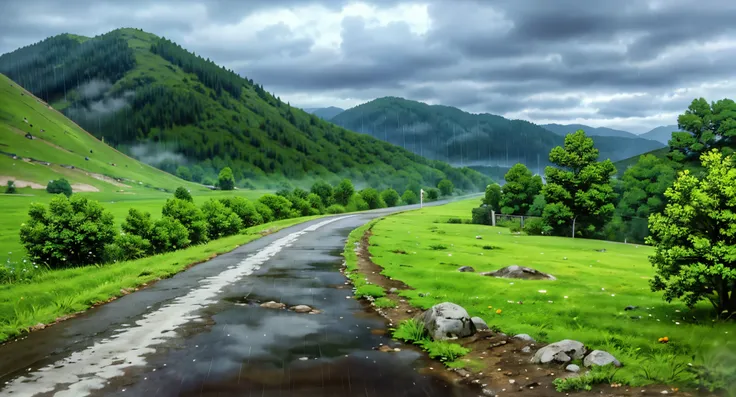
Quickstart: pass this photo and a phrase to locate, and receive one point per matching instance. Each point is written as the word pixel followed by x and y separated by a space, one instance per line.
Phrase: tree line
pixel 682 203
pixel 77 231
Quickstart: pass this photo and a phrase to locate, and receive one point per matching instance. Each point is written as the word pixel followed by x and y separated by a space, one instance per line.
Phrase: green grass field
pixel 57 293
pixel 585 303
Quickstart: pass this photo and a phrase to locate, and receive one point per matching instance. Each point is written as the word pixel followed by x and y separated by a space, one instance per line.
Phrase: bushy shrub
pixel 244 209
pixel 264 211
pixel 433 194
pixel 168 235
pixel 446 187
pixel 59 186
pixel 356 203
pixel 343 192
pixel 183 194
pixel 482 216
pixel 372 198
pixel 324 191
pixel 390 197
pixel 138 223
pixel 280 206
pixel 71 232
pixel 335 209
pixel 221 220
pixel 11 187
pixel 300 207
pixel 225 179
pixel 190 217
pixel 536 227
pixel 127 247
pixel 315 202
pixel 409 197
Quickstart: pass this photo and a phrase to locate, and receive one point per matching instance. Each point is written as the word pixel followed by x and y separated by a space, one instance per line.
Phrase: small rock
pixel 393 290
pixel 478 237
pixel 525 337
pixel 562 352
pixel 301 308
pixel 512 381
pixel 600 358
pixel 572 368
pixel 303 359
pixel 408 311
pixel 465 269
pixel 273 305
pixel 627 308
pixel 315 311
pixel 38 327
pixel 463 373
pixel 385 349
pixel 479 323
pixel 526 349
pixel 488 392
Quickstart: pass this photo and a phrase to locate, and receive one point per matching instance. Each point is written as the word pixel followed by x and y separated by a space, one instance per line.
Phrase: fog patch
pixel 94 89
pixel 156 154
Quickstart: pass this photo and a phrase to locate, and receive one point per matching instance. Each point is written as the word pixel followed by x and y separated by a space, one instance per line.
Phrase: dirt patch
pixel 106 179
pixel 83 187
pixel 18 183
pixel 496 362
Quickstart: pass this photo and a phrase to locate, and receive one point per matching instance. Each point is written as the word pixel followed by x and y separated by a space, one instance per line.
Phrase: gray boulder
pixel 301 309
pixel 466 269
pixel 563 351
pixel 572 368
pixel 525 337
pixel 600 358
pixel 447 320
pixel 479 323
pixel 273 305
pixel 516 271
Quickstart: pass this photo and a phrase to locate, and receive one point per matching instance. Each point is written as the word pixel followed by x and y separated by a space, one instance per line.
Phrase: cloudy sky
pixel 629 64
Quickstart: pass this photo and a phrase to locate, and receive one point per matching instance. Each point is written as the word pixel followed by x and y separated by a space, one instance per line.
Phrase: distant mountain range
pixel 325 113
pixel 481 141
pixel 661 134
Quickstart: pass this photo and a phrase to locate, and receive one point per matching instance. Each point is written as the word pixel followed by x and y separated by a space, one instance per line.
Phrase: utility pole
pixel 421 198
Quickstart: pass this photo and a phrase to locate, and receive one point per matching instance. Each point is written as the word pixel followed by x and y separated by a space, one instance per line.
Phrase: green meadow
pixel 596 281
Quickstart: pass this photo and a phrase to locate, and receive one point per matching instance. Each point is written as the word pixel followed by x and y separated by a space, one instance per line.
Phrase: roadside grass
pixel 587 301
pixel 57 293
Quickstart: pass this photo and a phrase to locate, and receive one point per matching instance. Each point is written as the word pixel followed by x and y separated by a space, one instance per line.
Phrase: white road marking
pixel 90 369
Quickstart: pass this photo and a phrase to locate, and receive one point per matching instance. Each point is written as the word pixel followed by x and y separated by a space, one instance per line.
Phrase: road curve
pixel 202 333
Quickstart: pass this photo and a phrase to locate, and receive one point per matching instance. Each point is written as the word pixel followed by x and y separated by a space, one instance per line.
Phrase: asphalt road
pixel 202 332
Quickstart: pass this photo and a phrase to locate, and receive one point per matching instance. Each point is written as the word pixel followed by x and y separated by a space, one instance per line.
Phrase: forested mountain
pixel 564 129
pixel 325 113
pixel 479 140
pixel 149 97
pixel 661 134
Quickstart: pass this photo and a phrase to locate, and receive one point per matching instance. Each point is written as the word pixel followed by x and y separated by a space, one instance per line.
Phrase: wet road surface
pixel 202 333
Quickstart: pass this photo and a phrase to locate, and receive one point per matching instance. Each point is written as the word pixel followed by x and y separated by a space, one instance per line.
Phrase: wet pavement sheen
pixel 232 346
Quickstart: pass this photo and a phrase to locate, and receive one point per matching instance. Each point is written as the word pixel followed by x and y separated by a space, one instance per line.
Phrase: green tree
pixel 280 206
pixel 71 232
pixel 578 192
pixel 409 197
pixel 138 223
pixel 225 180
pixel 315 201
pixel 183 194
pixel 704 126
pixel 221 220
pixel 433 194
pixel 446 187
pixel 169 234
pixel 695 237
pixel 189 216
pixel 517 195
pixel 324 191
pixel 244 209
pixel 184 173
pixel 197 173
pixel 537 208
pixel 643 188
pixel 390 197
pixel 493 196
pixel 11 187
pixel 60 185
pixel 373 198
pixel 343 192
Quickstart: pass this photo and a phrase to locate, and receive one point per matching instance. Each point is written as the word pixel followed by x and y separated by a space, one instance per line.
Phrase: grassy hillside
pixel 452 135
pixel 151 98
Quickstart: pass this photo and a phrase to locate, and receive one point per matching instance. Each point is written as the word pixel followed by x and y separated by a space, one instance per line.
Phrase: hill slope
pixel 325 113
pixel 149 97
pixel 38 144
pixel 480 140
pixel 661 134
pixel 564 129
